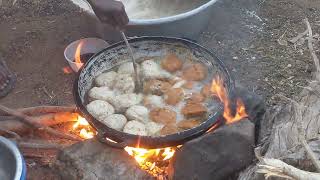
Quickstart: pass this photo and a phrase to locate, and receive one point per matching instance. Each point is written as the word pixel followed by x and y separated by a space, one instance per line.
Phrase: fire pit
pixel 161 156
pixel 153 154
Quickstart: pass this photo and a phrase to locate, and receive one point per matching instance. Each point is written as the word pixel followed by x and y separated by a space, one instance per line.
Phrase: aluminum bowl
pixel 147 47
pixel 185 25
pixel 12 166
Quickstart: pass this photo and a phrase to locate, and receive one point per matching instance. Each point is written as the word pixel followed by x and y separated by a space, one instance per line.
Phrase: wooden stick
pixel 6 118
pixel 37 145
pixel 301 134
pixel 13 134
pixel 311 49
pixel 47 109
pixel 28 154
pixel 277 168
pixel 300 35
pixel 45 120
pixel 30 121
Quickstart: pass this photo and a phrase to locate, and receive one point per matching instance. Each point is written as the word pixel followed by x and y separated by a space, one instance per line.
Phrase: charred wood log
pixel 45 120
pixel 32 123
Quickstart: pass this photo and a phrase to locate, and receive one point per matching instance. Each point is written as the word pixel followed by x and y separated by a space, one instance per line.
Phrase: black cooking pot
pixel 148 47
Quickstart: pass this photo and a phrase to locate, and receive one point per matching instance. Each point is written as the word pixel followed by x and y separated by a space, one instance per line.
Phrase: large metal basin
pixel 184 25
pixel 12 166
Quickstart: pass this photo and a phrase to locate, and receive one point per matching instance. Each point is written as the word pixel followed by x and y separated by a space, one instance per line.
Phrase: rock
pixel 195 72
pixel 254 104
pixel 90 159
pixel 216 155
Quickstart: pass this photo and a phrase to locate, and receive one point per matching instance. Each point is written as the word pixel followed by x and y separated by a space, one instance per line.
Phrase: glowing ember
pixel 219 90
pixel 77 55
pixel 67 70
pixel 81 122
pixel 86 134
pixel 85 130
pixel 168 153
pixel 213 128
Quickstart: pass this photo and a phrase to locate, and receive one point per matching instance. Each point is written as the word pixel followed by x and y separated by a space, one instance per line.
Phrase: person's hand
pixel 111 12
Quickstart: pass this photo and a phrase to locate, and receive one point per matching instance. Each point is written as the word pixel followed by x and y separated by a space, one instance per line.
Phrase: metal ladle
pixel 138 86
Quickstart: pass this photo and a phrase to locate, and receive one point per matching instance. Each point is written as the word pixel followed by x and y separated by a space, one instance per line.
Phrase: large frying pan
pixel 147 47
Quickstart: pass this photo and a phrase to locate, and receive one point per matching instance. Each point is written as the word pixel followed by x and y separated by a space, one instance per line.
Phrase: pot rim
pixel 17 156
pixel 124 139
pixel 171 18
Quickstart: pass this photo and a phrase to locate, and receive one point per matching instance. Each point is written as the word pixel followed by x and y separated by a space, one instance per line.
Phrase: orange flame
pixel 219 90
pixel 77 55
pixel 153 161
pixel 86 134
pixel 67 70
pixel 85 130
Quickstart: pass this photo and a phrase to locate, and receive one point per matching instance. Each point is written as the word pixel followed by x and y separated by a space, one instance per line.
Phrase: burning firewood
pixel 33 123
pixel 47 109
pixel 12 123
pixel 39 144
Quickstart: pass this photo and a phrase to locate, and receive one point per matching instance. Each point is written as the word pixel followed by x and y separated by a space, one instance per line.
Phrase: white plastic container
pixel 90 45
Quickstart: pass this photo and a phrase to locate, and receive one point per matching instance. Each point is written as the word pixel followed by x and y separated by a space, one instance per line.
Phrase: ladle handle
pixel 135 65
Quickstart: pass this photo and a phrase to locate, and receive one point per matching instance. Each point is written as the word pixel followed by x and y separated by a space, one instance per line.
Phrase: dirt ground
pixel 249 36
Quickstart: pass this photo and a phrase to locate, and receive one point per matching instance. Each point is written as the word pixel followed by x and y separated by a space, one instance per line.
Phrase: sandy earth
pixel 245 34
